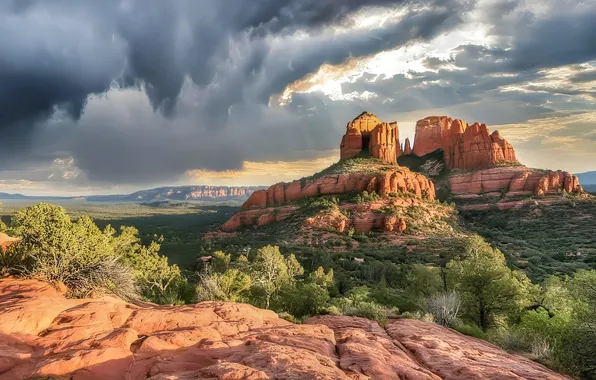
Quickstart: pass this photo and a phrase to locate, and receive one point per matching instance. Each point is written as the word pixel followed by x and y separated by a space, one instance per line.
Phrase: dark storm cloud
pixel 559 40
pixel 236 53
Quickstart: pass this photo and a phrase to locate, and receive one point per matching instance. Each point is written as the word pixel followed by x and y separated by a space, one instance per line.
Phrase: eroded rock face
pixel 107 339
pixel 264 207
pixel 429 134
pixel 407 147
pixel 368 133
pixel 514 181
pixel 464 146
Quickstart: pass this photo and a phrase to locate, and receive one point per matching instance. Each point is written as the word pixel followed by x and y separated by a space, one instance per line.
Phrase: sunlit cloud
pixel 261 173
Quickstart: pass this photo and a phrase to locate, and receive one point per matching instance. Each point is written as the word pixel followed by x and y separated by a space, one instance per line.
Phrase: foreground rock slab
pixel 43 334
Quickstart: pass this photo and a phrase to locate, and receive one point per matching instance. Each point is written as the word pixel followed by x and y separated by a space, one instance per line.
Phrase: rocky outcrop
pixel 464 146
pixel 383 183
pixel 368 133
pixel 257 217
pixel 513 181
pixel 407 147
pixel 44 335
pixel 263 207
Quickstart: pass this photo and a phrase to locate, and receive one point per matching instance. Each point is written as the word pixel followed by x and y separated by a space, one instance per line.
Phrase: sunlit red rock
pixel 464 146
pixel 368 133
pixel 512 181
pixel 44 335
pixel 429 134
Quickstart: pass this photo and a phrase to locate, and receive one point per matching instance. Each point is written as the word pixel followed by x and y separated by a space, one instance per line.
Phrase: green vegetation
pixel 360 164
pixel 182 224
pixel 541 240
pixel 86 260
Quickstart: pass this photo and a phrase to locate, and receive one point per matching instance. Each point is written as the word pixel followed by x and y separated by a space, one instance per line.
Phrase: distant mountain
pixel 587 178
pixel 21 196
pixel 193 193
pixel 588 181
pixel 178 193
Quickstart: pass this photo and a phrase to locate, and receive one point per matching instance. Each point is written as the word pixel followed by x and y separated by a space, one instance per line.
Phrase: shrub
pixel 88 260
pixel 227 286
pixel 303 299
pixel 366 197
pixel 444 307
pixel 78 254
pixel 470 329
pixel 11 260
pixel 370 310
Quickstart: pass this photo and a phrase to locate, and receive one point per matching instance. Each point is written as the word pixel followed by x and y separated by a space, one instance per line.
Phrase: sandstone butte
pixel 263 207
pixel 44 335
pixel 464 146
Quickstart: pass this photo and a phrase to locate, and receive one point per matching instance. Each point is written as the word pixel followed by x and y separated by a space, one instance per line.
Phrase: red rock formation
pixel 368 133
pixel 43 334
pixel 257 217
pixel 472 359
pixel 262 203
pixel 514 181
pixel 407 147
pixel 464 147
pixel 399 180
pixel 429 134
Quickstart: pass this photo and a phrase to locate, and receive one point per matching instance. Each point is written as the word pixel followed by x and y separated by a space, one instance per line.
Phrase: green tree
pixel 228 286
pixel 576 351
pixel 307 297
pixel 271 271
pixel 489 289
pixel 220 261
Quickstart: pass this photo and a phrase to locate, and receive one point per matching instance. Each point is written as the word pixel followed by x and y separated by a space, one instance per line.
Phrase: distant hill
pixel 188 193
pixel 587 178
pixel 21 196
pixel 176 193
pixel 588 181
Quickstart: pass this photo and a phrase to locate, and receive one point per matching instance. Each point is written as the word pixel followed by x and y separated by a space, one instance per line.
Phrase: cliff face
pixel 514 181
pixel 429 134
pixel 399 180
pixel 43 334
pixel 368 133
pixel 464 146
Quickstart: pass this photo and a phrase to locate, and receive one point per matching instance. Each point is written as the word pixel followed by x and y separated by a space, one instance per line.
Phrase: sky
pixel 113 96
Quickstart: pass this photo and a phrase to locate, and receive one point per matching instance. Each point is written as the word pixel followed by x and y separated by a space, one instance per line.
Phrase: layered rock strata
pixel 368 133
pixel 264 206
pixel 44 335
pixel 513 181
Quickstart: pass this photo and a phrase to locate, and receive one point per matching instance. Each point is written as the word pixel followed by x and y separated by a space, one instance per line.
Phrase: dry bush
pixel 444 307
